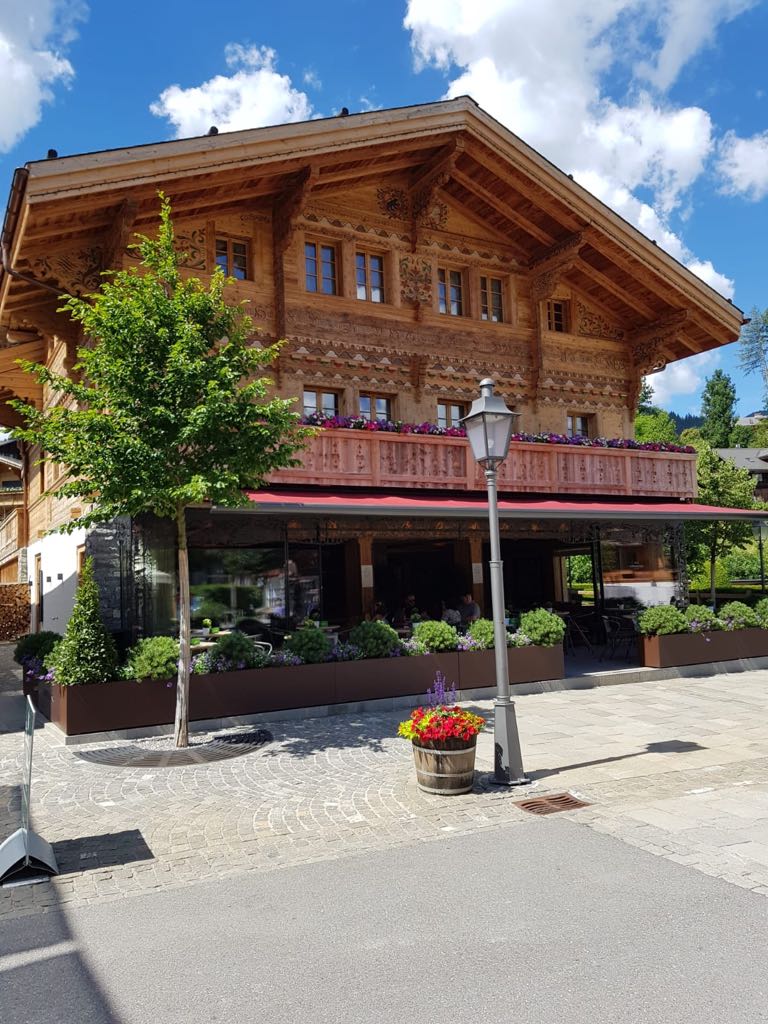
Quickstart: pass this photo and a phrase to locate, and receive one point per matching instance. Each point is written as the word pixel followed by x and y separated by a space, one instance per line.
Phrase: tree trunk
pixel 181 727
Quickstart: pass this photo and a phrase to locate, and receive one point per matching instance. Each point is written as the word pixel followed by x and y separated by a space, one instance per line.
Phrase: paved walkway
pixel 678 768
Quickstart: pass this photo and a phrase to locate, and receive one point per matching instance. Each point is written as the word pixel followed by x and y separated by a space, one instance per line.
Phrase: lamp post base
pixel 507 757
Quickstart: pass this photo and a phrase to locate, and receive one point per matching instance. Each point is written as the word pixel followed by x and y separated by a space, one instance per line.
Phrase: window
pixel 450 286
pixel 449 414
pixel 320 268
pixel 232 257
pixel 491 303
pixel 369 275
pixel 557 316
pixel 375 407
pixel 326 403
pixel 578 426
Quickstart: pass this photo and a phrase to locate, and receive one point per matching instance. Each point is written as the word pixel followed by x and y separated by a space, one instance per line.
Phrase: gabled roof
pixel 753 459
pixel 485 169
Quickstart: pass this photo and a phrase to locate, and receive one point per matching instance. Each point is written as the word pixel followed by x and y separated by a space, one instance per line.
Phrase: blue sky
pixel 660 107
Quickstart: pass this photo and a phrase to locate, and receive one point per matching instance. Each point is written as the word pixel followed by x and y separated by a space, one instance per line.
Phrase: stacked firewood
pixel 14 610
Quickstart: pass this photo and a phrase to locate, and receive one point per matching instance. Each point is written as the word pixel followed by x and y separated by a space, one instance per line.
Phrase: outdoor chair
pixel 619 632
pixel 262 645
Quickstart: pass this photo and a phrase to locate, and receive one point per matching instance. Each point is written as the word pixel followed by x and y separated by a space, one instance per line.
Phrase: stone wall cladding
pixel 14 610
pixel 109 546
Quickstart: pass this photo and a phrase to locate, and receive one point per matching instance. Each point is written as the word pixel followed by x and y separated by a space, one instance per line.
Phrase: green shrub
pixel 375 639
pixel 761 610
pixel 737 615
pixel 436 636
pixel 35 645
pixel 86 653
pixel 232 652
pixel 662 620
pixel 543 628
pixel 481 631
pixel 155 657
pixel 310 643
pixel 701 619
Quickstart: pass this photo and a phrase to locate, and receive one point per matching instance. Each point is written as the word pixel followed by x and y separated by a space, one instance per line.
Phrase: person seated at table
pixel 378 613
pixel 406 612
pixel 450 615
pixel 469 610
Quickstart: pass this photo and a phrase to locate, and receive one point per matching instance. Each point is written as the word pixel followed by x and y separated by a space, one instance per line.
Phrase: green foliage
pixel 718 408
pixel 169 401
pixel 545 629
pixel 481 631
pixel 761 610
pixel 155 657
pixel 741 437
pixel 86 653
pixel 701 619
pixel 436 636
pixel 645 397
pixel 35 645
pixel 737 615
pixel 691 435
pixel 655 425
pixel 662 620
pixel 753 346
pixel 580 568
pixel 743 564
pixel 700 576
pixel 375 639
pixel 310 643
pixel 235 648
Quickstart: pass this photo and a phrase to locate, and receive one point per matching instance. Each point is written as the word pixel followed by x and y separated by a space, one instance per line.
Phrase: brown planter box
pixel 525 665
pixel 703 648
pixel 251 691
pixel 393 677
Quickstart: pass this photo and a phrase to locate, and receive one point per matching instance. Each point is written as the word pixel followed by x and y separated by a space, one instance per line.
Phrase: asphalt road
pixel 542 922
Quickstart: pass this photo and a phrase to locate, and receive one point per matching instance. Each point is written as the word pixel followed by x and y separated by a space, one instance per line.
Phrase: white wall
pixel 647 592
pixel 58 562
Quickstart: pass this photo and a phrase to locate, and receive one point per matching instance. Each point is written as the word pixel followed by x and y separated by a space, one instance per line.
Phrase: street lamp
pixel 489 429
pixel 760 530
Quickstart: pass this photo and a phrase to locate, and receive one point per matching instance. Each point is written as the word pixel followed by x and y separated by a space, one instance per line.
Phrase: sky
pixel 658 107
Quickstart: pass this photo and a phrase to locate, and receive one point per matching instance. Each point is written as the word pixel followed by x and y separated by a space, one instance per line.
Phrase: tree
pixel 741 436
pixel 655 425
pixel 645 398
pixel 86 653
pixel 692 436
pixel 718 407
pixel 164 408
pixel 753 347
pixel 722 484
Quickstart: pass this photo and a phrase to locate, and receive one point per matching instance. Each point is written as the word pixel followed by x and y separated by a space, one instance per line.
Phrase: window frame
pixel 231 240
pixel 368 255
pixel 486 307
pixel 320 244
pixel 375 396
pixel 572 417
pixel 449 405
pixel 552 319
pixel 321 392
pixel 448 285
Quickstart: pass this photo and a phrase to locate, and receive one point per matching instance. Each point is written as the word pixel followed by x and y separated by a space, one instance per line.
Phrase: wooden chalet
pixel 404 254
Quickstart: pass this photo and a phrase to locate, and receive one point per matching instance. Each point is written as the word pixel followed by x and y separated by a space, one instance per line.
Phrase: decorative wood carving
pixel 415 280
pixel 76 271
pixel 119 235
pixel 393 202
pixel 426 209
pixel 191 242
pixel 592 324
pixel 285 207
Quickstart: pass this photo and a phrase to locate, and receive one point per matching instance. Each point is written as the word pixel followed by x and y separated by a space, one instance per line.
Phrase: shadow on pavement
pixel 662 747
pixel 89 853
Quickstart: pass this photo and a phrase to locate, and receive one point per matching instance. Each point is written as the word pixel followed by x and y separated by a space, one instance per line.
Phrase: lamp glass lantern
pixel 489 425
pixel 760 530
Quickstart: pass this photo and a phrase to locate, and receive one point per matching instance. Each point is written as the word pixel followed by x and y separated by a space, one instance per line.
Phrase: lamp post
pixel 489 429
pixel 760 530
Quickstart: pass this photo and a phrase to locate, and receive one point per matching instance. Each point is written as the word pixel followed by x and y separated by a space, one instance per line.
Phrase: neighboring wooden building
pixel 404 255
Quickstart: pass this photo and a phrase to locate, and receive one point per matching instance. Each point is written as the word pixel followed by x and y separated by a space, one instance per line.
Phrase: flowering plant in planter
pixel 441 727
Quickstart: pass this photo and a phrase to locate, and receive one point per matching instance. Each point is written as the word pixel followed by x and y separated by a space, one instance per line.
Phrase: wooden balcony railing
pixel 356 458
pixel 9 535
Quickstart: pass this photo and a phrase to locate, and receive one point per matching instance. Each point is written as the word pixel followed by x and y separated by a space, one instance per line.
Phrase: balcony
pixel 356 458
pixel 9 536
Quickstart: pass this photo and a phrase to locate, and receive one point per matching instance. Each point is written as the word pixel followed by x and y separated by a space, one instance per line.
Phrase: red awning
pixel 336 503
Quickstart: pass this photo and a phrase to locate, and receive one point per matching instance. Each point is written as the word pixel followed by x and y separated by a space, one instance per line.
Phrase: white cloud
pixel 33 35
pixel 685 377
pixel 548 70
pixel 311 78
pixel 253 96
pixel 743 165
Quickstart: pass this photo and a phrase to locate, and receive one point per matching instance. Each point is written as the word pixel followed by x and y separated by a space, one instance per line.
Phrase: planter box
pixel 525 665
pixel 703 648
pixel 393 677
pixel 222 694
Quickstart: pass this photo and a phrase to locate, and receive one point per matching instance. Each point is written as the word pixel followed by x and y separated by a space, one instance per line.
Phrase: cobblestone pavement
pixel 678 768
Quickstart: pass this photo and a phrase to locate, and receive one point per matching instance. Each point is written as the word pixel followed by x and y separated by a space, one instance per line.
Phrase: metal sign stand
pixel 25 857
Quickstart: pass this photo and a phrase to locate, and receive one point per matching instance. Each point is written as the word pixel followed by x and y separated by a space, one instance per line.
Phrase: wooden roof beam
pixel 631 301
pixel 497 204
pixel 437 171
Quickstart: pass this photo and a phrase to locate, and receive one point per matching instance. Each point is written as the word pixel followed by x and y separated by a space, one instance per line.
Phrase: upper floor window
pixel 326 403
pixel 320 268
pixel 578 426
pixel 491 300
pixel 450 291
pixel 232 257
pixel 450 414
pixel 557 316
pixel 369 275
pixel 375 407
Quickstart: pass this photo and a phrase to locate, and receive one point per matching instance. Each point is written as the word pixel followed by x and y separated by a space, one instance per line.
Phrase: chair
pixel 262 645
pixel 574 633
pixel 618 632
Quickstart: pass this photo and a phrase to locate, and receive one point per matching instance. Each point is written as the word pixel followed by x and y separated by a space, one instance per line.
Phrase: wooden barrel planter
pixel 445 772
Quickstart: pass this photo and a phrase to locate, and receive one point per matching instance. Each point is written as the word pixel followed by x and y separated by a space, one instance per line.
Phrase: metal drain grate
pixel 220 748
pixel 551 804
